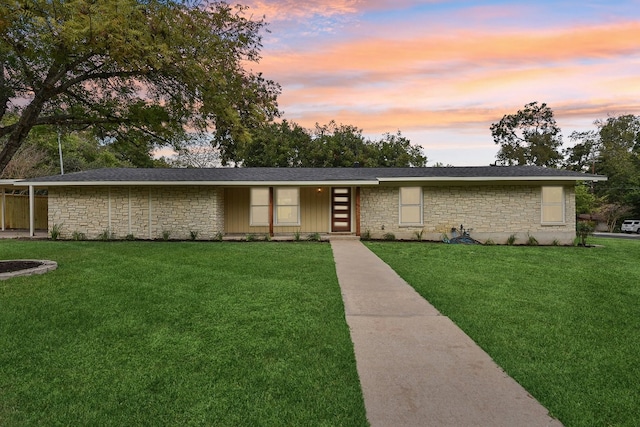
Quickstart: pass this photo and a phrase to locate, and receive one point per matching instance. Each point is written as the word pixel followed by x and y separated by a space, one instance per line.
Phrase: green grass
pixel 157 333
pixel 563 321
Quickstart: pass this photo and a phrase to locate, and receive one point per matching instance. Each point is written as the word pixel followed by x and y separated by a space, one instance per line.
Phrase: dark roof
pixel 239 175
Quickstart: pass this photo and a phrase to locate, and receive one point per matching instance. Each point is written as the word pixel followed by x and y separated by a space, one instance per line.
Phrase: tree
pixel 586 201
pixel 283 144
pixel 196 153
pixel 334 145
pixel 287 144
pixel 582 156
pixel 39 154
pixel 612 213
pixel 619 159
pixel 529 137
pixel 395 150
pixel 132 71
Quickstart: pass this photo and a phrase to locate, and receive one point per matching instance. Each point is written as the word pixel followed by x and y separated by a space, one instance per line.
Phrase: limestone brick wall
pixel 493 212
pixel 79 209
pixel 142 212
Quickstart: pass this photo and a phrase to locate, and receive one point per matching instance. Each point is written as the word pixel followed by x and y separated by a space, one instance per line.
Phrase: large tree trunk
pixel 17 137
pixel 29 116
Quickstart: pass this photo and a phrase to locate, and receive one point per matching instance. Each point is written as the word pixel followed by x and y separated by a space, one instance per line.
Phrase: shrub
pixel 166 234
pixel 106 235
pixel 193 235
pixel 583 230
pixel 219 236
pixel 77 235
pixel 555 242
pixel 55 232
pixel 366 235
pixel 130 237
pixel 314 237
pixel 389 236
pixel 296 235
pixel 532 241
pixel 250 238
pixel 511 240
pixel 419 234
pixel 489 242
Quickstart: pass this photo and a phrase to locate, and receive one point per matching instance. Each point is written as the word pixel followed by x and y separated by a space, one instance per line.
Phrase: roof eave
pixel 493 179
pixel 347 183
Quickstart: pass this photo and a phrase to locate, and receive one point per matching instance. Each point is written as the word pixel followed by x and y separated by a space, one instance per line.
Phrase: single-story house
pixel 494 201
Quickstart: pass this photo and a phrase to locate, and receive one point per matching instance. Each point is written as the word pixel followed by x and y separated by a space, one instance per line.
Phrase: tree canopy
pixel 528 137
pixel 139 72
pixel 39 155
pixel 288 144
pixel 532 137
pixel 612 150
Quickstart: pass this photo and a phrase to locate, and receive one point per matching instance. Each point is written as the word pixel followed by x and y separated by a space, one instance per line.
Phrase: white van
pixel 631 226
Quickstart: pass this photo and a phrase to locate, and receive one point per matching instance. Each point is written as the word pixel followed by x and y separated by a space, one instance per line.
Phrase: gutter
pixel 197 183
pixel 495 179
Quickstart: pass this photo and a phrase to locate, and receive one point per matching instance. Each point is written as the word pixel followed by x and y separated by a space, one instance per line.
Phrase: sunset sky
pixel 442 71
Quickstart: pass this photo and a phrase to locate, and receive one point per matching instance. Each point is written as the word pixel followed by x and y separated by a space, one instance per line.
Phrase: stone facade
pixel 140 212
pixel 492 212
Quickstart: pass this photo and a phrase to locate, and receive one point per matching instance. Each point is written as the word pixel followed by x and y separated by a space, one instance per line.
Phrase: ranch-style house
pixel 494 201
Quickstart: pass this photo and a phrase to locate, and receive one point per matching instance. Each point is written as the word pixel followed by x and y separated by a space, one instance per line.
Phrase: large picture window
pixel 410 206
pixel 259 207
pixel 553 205
pixel 287 206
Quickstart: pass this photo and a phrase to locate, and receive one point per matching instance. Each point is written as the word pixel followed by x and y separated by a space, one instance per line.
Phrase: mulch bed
pixel 11 266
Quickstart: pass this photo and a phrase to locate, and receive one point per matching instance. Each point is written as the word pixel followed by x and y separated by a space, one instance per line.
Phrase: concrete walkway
pixel 416 367
pixel 23 234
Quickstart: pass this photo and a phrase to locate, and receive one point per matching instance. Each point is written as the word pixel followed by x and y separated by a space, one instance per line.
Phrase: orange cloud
pixel 455 118
pixel 412 55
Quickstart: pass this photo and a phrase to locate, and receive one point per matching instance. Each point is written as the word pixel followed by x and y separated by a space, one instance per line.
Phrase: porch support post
pixel 32 208
pixel 357 211
pixel 271 211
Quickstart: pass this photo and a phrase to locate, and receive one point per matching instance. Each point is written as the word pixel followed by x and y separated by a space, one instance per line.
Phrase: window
pixel 287 201
pixel 410 206
pixel 259 206
pixel 552 205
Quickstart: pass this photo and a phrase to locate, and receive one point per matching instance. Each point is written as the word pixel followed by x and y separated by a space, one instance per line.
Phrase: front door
pixel 340 210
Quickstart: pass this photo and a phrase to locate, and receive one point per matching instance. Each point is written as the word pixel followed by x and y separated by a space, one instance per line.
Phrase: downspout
pixel 32 204
pixel 271 211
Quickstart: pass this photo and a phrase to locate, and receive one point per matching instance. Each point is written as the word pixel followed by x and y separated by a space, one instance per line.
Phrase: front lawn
pixel 564 322
pixel 168 333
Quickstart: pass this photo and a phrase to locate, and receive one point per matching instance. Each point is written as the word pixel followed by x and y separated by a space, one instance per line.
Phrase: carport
pixel 8 199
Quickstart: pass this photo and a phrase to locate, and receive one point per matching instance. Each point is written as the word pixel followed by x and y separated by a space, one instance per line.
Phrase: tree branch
pixel 97 76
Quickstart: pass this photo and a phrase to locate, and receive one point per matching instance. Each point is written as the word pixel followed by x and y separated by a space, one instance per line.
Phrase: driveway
pixel 617 235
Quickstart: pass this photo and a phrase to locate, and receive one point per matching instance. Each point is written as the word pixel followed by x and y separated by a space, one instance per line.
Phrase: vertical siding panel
pixel 314 212
pixel 236 212
pixel 315 208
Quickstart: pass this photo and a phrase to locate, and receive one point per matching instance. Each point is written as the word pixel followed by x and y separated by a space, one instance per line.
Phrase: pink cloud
pixel 448 80
pixel 282 10
pixel 479 48
pixel 293 9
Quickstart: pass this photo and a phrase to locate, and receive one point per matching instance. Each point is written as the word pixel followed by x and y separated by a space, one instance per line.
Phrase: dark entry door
pixel 340 209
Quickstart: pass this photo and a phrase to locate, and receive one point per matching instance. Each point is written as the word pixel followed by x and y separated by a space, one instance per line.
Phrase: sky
pixel 442 72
